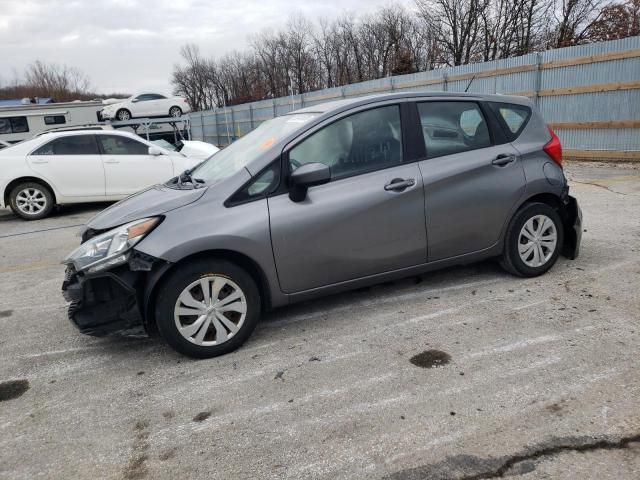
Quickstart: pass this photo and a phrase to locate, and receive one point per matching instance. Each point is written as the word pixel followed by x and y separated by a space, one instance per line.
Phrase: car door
pixel 141 105
pixel 128 166
pixel 157 106
pixel 471 183
pixel 359 223
pixel 71 164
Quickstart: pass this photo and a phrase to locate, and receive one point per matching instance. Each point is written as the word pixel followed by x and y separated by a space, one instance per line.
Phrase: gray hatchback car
pixel 325 199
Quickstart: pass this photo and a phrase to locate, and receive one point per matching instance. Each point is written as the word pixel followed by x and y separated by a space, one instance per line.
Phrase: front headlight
pixel 111 248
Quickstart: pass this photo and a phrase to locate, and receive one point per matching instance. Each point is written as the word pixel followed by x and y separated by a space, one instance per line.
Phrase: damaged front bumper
pixel 108 302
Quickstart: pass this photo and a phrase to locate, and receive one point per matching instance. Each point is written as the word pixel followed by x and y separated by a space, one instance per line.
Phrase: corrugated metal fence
pixel 590 94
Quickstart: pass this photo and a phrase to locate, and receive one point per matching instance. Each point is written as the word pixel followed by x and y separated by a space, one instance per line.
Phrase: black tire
pixel 44 193
pixel 175 112
pixel 511 260
pixel 122 112
pixel 179 280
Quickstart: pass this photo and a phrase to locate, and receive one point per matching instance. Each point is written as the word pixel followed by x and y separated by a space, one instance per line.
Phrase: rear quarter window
pixel 512 118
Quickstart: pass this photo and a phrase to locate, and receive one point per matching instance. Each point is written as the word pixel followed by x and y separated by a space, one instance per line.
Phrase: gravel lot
pixel 538 378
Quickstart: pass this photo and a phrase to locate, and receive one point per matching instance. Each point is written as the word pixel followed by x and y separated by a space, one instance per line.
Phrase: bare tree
pixel 457 24
pixel 574 21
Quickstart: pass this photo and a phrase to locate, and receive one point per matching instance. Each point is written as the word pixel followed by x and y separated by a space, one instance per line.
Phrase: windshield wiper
pixel 185 177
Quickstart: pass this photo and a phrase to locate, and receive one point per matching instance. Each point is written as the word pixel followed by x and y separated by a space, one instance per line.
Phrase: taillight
pixel 553 148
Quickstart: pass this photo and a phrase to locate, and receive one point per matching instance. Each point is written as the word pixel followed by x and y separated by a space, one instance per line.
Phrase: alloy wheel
pixel 210 310
pixel 175 112
pixel 123 115
pixel 31 201
pixel 537 241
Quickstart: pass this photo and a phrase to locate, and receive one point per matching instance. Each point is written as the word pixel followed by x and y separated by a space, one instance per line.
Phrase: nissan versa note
pixel 325 199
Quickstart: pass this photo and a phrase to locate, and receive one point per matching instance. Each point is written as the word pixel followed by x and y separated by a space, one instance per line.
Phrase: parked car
pixel 146 105
pixel 81 166
pixel 325 199
pixel 190 148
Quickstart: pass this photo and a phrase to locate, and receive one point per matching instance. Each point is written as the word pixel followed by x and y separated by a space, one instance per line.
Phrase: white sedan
pixel 146 105
pixel 82 166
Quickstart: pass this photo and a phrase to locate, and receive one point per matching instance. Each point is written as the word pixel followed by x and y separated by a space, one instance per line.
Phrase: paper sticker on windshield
pixel 267 143
pixel 300 118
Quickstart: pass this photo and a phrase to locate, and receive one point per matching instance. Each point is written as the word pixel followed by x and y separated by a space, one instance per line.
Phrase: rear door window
pixel 70 145
pixel 512 118
pixel 117 145
pixel 452 127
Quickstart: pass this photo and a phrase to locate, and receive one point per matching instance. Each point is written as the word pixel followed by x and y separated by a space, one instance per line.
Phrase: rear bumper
pixel 572 222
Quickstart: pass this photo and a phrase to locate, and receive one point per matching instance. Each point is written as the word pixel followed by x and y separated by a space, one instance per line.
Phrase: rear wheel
pixel 207 308
pixel 31 200
pixel 533 241
pixel 175 112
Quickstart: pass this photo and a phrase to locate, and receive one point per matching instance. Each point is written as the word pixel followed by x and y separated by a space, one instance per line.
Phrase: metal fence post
pixel 215 118
pixel 233 125
pixel 445 82
pixel 538 79
pixel 275 109
pixel 251 115
pixel 204 139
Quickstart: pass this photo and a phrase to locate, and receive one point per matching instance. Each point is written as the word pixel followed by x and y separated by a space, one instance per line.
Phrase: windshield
pixel 164 144
pixel 240 153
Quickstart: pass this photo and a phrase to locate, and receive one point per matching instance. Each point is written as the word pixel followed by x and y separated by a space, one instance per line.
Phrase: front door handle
pixel 112 160
pixel 504 159
pixel 399 184
pixel 39 162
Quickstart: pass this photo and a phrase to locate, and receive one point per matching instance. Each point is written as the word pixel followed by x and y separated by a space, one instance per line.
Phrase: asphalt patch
pixel 13 389
pixel 6 313
pixel 430 359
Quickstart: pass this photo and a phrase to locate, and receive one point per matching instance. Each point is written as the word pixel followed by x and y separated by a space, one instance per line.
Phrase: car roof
pixel 347 103
pixel 68 133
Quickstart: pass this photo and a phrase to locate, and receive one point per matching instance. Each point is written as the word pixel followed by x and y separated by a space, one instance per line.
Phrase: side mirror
pixel 307 176
pixel 134 100
pixel 155 151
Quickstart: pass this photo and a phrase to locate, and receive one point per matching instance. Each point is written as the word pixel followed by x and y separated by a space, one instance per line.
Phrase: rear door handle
pixel 112 160
pixel 399 184
pixel 39 162
pixel 504 159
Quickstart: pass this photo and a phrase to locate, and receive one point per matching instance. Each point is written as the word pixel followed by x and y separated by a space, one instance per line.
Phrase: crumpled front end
pixel 108 302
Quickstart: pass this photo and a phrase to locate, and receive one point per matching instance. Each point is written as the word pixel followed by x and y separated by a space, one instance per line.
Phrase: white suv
pixel 82 166
pixel 146 105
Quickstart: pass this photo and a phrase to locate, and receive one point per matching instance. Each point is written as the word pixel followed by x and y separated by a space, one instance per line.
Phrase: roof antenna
pixel 470 82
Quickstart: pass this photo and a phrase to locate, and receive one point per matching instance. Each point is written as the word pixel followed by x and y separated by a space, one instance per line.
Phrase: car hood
pixel 150 202
pixel 197 149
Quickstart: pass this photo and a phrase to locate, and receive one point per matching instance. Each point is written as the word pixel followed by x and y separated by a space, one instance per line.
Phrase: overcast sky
pixel 132 45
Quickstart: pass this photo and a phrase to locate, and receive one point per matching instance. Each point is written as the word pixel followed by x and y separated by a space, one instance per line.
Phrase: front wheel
pixel 207 308
pixel 533 241
pixel 123 114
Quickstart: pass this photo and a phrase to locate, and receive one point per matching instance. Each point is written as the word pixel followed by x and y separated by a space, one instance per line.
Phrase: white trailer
pixel 21 122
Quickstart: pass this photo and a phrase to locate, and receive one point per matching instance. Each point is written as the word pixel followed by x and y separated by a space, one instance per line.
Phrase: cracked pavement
pixel 522 378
